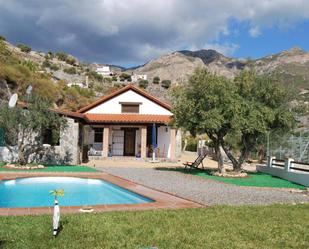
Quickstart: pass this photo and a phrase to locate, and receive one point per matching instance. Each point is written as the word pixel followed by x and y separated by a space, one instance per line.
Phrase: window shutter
pixel 130 108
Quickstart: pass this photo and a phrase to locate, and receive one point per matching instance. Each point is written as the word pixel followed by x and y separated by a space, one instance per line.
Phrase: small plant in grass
pixel 57 193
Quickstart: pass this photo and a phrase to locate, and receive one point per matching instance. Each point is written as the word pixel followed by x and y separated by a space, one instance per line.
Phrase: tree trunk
pixel 237 164
pixel 230 156
pixel 21 158
pixel 220 159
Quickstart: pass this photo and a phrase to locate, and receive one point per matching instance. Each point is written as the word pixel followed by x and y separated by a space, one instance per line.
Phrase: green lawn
pixel 254 180
pixel 276 226
pixel 54 168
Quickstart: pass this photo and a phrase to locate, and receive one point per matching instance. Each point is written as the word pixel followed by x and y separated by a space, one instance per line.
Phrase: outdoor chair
pixel 198 161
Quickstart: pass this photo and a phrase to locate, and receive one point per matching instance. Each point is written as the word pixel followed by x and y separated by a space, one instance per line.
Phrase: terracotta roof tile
pixel 69 113
pixel 127 118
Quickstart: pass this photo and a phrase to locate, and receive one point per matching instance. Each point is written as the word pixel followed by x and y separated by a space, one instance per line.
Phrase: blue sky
pixel 133 32
pixel 271 40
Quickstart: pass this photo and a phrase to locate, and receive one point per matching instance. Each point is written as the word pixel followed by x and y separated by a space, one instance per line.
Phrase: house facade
pixel 137 77
pixel 124 123
pixel 104 71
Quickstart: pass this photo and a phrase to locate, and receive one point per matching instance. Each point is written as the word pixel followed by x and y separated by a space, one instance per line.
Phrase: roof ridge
pixel 126 114
pixel 130 86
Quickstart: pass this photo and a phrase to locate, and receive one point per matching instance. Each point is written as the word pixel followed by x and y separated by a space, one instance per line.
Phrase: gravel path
pixel 205 191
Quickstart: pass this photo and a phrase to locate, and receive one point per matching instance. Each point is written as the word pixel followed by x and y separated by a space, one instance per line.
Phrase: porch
pixel 130 141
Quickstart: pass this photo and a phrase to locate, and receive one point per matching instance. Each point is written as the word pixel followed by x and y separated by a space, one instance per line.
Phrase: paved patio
pixel 204 191
pixel 132 162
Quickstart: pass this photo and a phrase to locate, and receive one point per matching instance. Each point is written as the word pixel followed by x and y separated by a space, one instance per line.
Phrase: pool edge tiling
pixel 161 200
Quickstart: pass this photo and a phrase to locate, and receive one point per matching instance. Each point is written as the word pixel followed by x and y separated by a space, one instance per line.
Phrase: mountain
pixel 179 65
pixel 51 72
pixel 175 66
pixel 292 66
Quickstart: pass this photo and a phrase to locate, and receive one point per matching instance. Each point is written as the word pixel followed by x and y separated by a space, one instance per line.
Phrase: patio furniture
pixel 196 163
pixel 93 152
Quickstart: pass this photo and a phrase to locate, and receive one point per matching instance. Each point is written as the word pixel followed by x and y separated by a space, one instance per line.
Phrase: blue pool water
pixel 34 192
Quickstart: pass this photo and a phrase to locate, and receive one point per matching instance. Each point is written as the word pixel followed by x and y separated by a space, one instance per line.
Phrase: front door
pixel 118 141
pixel 129 142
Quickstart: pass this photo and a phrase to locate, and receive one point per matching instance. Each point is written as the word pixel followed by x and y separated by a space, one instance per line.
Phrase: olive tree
pixel 23 126
pixel 264 106
pixel 234 114
pixel 206 105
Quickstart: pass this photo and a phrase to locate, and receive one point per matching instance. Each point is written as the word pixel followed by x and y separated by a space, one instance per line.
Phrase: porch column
pixel 105 142
pixel 143 142
pixel 173 144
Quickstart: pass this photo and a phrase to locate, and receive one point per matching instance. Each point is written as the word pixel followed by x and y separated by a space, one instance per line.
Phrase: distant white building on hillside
pixel 104 71
pixel 81 85
pixel 137 77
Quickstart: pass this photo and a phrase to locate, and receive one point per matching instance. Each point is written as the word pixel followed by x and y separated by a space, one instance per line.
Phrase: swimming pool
pixel 34 192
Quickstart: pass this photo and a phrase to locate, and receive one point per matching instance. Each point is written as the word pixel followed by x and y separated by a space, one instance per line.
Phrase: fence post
pixel 287 163
pixel 270 161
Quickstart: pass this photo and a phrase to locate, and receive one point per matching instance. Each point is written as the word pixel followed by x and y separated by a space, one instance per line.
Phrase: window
pixel 51 136
pixel 130 108
pixel 98 135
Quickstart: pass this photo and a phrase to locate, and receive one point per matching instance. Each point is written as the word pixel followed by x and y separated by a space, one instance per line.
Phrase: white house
pixel 81 85
pixel 104 71
pixel 122 123
pixel 136 77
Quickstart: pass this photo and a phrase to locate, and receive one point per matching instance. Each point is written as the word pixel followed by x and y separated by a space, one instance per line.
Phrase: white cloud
pixel 138 30
pixel 255 31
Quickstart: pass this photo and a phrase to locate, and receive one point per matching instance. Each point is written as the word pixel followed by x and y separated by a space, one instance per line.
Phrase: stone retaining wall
pixel 66 153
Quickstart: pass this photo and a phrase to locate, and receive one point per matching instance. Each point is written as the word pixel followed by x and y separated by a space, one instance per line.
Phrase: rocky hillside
pixel 51 75
pixel 292 66
pixel 176 67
